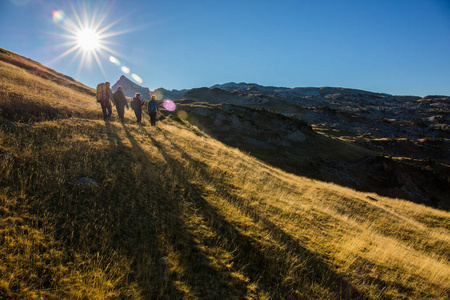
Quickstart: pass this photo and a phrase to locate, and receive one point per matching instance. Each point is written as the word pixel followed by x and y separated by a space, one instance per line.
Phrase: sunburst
pixel 87 35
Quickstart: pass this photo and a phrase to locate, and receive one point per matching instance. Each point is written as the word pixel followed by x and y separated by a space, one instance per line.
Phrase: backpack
pixel 152 105
pixel 102 93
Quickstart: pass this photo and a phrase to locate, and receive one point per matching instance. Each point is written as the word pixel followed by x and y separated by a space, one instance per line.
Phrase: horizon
pixel 252 83
pixel 396 48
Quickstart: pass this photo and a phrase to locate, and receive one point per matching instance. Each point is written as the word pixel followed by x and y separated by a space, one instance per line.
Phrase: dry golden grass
pixel 26 96
pixel 179 215
pixel 182 215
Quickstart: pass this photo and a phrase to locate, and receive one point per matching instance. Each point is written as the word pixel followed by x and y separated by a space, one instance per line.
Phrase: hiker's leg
pixel 120 112
pixel 153 118
pixel 109 107
pixel 104 111
pixel 138 113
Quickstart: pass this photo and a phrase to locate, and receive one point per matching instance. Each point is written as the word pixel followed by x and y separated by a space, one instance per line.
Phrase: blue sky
pixel 389 46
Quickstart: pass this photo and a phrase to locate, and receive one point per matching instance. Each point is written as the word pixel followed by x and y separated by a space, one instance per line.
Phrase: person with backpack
pixel 104 97
pixel 136 105
pixel 153 110
pixel 121 102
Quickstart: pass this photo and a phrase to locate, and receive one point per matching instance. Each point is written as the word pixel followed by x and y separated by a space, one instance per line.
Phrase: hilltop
pixel 104 210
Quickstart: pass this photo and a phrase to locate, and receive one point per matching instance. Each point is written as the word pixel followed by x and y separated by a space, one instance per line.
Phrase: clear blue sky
pixel 398 47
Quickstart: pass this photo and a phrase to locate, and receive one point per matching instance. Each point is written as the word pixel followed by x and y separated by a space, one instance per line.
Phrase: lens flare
pixel 125 69
pixel 182 114
pixel 58 16
pixel 136 78
pixel 169 105
pixel 114 60
pixel 158 94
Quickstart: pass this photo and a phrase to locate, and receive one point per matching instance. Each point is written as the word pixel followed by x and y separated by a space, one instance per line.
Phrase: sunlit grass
pixel 177 214
pixel 185 215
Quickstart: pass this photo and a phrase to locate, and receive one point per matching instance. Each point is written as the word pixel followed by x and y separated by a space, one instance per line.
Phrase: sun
pixel 88 40
pixel 86 35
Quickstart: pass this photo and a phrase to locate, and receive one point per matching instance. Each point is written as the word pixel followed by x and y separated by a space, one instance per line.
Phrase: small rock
pixel 7 157
pixel 84 181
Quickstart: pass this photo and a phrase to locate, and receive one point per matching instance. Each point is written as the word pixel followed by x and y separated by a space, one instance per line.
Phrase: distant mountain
pixel 297 92
pixel 162 93
pixel 130 88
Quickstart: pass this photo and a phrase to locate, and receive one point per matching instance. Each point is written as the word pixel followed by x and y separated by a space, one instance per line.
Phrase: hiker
pixel 121 102
pixel 104 97
pixel 153 110
pixel 136 105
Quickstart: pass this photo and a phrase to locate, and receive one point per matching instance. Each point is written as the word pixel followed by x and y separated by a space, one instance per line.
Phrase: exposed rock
pixel 296 136
pixel 84 181
pixel 202 111
pixel 8 157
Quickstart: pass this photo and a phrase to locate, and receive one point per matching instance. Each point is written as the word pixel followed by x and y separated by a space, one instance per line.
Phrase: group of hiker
pixel 105 96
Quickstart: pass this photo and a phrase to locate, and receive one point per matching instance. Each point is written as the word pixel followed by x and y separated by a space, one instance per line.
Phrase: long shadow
pixel 136 216
pixel 122 216
pixel 251 257
pixel 198 273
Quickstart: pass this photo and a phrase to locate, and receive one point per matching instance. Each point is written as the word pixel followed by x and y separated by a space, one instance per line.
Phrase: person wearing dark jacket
pixel 152 110
pixel 121 102
pixel 136 105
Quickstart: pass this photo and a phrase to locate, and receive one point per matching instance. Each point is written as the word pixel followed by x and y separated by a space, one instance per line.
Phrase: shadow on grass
pixel 192 267
pixel 137 212
pixel 265 265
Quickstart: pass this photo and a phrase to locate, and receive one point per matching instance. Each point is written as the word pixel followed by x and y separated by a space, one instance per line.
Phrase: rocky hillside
pixel 350 111
pixel 410 128
pixel 292 144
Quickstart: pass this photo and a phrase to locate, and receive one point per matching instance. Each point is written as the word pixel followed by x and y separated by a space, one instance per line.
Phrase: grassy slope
pixel 178 214
pixel 31 91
